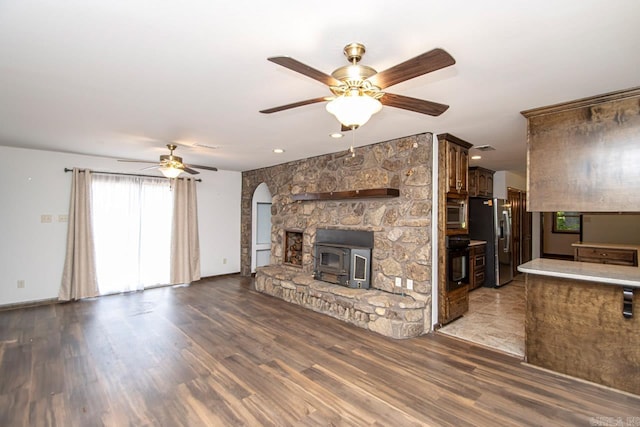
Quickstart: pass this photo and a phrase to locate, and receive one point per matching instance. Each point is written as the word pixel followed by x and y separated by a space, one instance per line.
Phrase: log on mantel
pixel 351 194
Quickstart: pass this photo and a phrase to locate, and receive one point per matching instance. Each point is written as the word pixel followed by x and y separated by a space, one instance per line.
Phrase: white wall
pixel 611 228
pixel 33 183
pixel 504 179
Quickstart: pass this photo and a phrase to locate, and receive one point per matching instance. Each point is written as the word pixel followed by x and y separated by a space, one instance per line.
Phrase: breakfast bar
pixel 582 320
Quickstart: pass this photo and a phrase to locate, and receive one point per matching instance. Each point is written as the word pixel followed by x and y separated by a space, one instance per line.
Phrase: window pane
pixel 566 222
pixel 263 224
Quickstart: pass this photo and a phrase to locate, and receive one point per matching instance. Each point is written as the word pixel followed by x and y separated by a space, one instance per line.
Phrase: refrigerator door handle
pixel 506 230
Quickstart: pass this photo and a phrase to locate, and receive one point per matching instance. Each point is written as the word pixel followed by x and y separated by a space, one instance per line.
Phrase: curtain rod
pixel 128 174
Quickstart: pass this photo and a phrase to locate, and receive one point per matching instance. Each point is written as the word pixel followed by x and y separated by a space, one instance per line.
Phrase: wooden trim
pixel 451 138
pixel 583 102
pixel 28 304
pixel 556 256
pixel 215 276
pixel 351 194
pixel 480 168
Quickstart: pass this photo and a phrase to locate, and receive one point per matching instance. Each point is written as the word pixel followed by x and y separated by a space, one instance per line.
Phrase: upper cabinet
pixel 583 156
pixel 456 165
pixel 480 182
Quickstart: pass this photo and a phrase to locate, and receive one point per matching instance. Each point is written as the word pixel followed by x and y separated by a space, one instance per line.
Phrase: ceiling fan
pixel 357 88
pixel 171 166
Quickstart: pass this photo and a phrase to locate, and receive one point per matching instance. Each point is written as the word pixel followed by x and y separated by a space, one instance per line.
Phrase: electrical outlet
pixel 410 284
pixel 224 260
pixel 63 218
pixel 398 282
pixel 46 218
pixel 20 284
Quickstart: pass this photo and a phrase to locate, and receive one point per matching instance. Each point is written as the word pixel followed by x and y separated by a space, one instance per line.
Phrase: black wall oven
pixel 457 261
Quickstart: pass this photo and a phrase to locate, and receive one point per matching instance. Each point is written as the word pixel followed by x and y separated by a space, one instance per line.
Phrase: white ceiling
pixel 121 78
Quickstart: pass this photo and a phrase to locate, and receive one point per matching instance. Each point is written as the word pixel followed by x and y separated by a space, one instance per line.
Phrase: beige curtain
pixel 185 244
pixel 79 274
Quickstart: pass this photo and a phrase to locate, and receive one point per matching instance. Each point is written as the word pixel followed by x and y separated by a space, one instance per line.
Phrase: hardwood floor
pixel 219 354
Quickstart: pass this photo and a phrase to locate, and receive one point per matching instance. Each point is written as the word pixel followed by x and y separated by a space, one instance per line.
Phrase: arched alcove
pixel 260 227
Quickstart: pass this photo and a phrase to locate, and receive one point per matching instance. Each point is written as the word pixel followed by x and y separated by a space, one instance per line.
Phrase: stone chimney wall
pixel 401 225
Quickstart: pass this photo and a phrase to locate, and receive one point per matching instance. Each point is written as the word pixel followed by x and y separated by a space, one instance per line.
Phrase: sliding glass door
pixel 132 227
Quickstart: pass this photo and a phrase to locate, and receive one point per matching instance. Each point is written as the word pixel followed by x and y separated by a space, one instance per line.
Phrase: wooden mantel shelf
pixel 352 194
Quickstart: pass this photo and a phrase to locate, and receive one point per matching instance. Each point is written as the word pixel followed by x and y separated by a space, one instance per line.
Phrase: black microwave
pixel 456 214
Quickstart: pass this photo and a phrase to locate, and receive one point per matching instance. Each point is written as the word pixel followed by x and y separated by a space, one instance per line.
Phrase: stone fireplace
pixel 400 227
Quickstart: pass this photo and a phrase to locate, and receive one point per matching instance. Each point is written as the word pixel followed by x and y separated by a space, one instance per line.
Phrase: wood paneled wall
pixel 577 328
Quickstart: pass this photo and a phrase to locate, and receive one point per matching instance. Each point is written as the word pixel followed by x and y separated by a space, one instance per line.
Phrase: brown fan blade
pixel 189 170
pixel 294 105
pixel 150 167
pixel 208 168
pixel 422 64
pixel 301 68
pixel 413 104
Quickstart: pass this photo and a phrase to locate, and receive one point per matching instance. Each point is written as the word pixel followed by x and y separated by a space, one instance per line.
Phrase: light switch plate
pixel 398 282
pixel 410 284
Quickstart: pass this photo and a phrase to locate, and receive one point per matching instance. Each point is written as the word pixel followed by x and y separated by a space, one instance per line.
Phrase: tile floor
pixel 495 318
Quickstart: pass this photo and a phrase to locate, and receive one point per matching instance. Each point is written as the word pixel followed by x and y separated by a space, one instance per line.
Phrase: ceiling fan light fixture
pixel 354 109
pixel 170 171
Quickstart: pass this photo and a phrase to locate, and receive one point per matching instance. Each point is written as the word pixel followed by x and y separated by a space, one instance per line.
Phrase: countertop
pixel 605 245
pixel 603 273
pixel 477 242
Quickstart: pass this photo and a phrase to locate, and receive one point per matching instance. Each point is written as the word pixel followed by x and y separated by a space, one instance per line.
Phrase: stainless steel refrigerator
pixel 490 220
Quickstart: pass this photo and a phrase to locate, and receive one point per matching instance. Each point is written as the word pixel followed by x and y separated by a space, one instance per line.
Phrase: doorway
pixel 495 315
pixel 261 227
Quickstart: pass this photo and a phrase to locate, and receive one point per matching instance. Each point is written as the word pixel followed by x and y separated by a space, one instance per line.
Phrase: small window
pixel 566 222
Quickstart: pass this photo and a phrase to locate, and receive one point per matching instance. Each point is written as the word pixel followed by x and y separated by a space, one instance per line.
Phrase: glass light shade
pixel 354 110
pixel 170 172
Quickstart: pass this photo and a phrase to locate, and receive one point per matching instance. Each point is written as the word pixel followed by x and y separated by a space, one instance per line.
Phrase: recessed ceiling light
pixel 278 150
pixel 336 135
pixel 476 157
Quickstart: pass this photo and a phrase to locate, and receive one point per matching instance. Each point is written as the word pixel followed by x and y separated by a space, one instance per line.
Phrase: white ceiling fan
pixel 171 166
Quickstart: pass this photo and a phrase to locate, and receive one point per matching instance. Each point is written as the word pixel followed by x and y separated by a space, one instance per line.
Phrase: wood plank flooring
pixel 219 354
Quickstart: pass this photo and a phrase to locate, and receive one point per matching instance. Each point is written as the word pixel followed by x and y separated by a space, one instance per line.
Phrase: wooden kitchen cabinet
pixel 457 164
pixel 457 303
pixel 477 265
pixel 567 143
pixel 453 164
pixel 480 182
pixel 607 255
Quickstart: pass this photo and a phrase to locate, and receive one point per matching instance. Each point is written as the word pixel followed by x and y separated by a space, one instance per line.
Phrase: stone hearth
pixel 391 315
